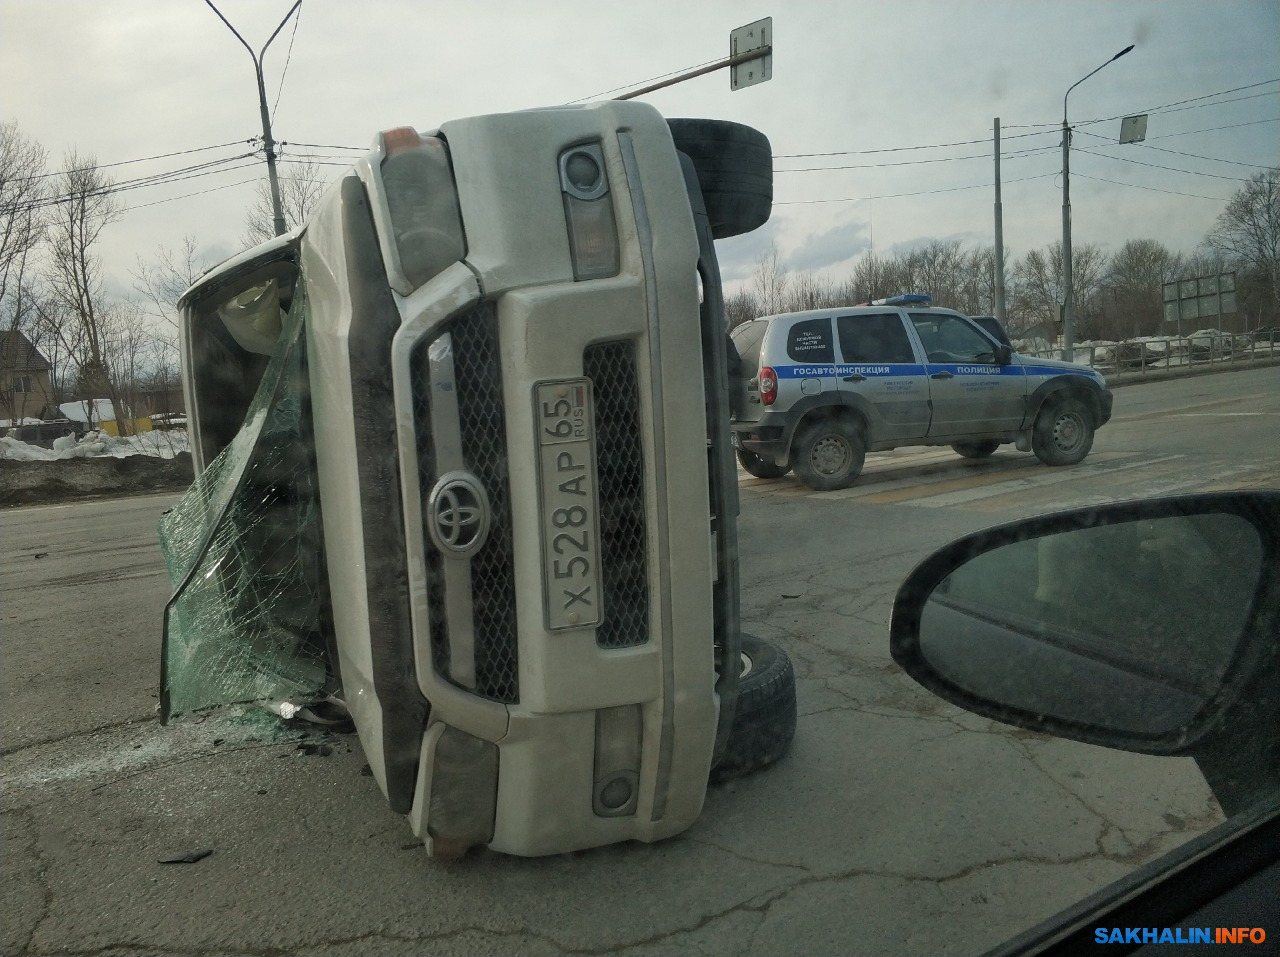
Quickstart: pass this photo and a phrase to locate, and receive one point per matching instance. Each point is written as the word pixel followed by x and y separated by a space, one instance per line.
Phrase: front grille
pixel 477 383
pixel 624 568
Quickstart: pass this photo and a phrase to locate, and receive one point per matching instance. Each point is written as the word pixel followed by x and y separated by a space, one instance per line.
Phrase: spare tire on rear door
pixel 765 721
pixel 735 172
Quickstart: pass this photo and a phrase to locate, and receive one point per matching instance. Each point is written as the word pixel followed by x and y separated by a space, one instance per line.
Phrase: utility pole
pixel 268 143
pixel 999 264
pixel 1068 291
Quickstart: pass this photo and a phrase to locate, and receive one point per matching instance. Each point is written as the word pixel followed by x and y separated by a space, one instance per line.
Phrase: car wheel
pixel 734 164
pixel 976 450
pixel 765 720
pixel 761 467
pixel 1063 432
pixel 828 455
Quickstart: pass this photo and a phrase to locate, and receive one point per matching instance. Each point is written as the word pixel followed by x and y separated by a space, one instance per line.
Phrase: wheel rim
pixel 831 455
pixel 1068 431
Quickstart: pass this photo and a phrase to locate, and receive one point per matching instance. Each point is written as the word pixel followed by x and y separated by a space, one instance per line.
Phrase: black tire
pixel 1063 432
pixel 765 721
pixel 761 467
pixel 734 164
pixel 828 454
pixel 976 450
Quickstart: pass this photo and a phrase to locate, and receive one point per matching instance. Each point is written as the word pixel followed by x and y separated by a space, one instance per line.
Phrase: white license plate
pixel 567 499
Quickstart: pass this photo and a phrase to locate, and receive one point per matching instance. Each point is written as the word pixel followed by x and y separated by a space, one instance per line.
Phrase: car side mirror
pixel 1133 626
pixel 1004 355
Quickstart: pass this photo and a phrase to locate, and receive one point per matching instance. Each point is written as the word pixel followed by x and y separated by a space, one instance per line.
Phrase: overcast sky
pixel 902 94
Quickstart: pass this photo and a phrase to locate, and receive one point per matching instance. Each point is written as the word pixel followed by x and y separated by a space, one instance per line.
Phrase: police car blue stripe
pixel 818 371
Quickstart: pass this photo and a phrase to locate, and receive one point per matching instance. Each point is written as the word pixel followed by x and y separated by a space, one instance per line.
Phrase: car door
pixel 809 369
pixel 879 363
pixel 970 392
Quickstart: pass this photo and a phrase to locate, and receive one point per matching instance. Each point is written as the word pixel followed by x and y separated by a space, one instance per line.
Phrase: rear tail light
pixel 768 386
pixel 588 212
pixel 425 220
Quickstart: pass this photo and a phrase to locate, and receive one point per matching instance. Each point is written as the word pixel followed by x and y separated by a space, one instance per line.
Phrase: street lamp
pixel 1068 291
pixel 268 143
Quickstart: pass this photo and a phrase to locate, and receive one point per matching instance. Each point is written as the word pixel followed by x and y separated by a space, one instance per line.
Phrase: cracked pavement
pixel 897 823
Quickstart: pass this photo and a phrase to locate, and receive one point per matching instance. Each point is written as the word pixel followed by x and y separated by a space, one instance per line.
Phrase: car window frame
pixel 912 344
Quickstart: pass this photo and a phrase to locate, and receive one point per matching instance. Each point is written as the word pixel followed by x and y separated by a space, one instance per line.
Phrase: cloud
pixel 836 245
pixel 739 255
pixel 968 241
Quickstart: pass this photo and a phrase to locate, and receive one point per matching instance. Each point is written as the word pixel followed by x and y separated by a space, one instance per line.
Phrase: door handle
pixel 855 378
pixel 942 375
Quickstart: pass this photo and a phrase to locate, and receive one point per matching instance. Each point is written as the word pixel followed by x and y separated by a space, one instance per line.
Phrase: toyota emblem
pixel 458 514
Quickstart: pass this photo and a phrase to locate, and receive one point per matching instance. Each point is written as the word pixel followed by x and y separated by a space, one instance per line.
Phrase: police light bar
pixel 907 299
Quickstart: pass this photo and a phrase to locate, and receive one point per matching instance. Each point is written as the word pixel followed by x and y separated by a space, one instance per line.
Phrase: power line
pixel 173 176
pixel 287 58
pixel 925 192
pixel 147 159
pixel 1213 129
pixel 897 149
pixel 325 146
pixel 1198 106
pixel 1156 109
pixel 1171 169
pixel 1153 189
pixel 211 189
pixel 1212 159
pixel 1019 154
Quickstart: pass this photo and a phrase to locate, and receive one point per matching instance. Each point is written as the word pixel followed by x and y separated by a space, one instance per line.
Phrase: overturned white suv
pixel 464 464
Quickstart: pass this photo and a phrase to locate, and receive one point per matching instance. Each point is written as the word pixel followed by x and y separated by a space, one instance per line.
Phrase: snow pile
pixel 96 444
pixel 17 451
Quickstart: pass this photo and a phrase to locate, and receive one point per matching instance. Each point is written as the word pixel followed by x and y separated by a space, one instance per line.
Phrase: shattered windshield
pixel 245 554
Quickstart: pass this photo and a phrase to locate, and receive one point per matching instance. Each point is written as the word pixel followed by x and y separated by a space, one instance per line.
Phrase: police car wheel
pixel 765 720
pixel 828 455
pixel 734 164
pixel 761 467
pixel 975 450
pixel 1063 432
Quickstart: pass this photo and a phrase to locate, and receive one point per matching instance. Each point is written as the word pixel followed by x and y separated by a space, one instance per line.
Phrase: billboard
pixel 1205 297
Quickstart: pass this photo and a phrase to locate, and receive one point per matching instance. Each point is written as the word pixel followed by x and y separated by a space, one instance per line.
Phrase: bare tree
pixel 22 196
pixel 741 307
pixel 160 282
pixel 875 277
pixel 85 208
pixel 976 293
pixel 1248 230
pixel 301 186
pixel 1038 288
pixel 1132 299
pixel 769 283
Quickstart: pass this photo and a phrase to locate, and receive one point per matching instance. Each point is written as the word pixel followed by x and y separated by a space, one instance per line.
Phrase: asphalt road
pixel 897 824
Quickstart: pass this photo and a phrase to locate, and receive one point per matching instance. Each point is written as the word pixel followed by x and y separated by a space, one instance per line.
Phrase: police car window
pixel 810 341
pixel 878 338
pixel 747 338
pixel 949 339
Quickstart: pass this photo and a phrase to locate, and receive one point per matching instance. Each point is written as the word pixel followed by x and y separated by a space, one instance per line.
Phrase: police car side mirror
pixel 1135 626
pixel 1004 355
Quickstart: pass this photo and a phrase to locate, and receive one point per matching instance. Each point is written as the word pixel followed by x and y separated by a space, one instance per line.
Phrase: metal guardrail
pixel 1173 354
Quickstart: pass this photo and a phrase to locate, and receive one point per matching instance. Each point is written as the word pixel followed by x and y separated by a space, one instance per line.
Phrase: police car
pixel 824 387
